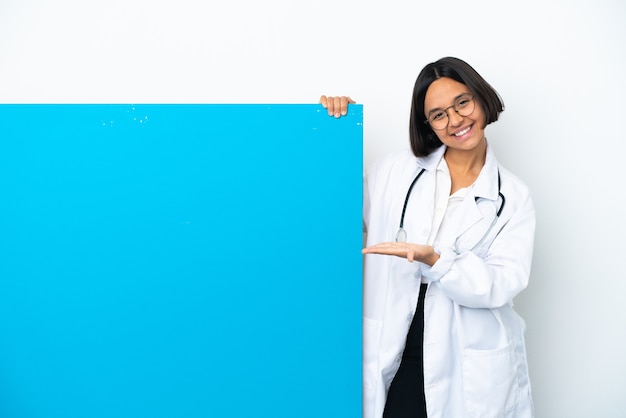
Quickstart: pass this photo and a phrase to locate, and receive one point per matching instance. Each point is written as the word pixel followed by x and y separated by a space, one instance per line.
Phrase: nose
pixel 454 119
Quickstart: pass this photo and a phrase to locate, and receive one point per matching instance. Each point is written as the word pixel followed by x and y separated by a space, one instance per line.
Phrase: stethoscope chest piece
pixel 401 235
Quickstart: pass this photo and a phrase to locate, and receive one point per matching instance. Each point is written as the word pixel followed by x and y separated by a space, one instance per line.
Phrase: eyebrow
pixel 430 112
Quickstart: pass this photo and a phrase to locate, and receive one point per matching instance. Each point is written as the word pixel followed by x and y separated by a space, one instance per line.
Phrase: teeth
pixel 463 132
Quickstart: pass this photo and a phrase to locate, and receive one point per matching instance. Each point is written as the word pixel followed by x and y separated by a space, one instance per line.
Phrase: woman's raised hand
pixel 337 106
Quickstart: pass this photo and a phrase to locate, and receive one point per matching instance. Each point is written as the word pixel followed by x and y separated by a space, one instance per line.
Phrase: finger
pixel 337 106
pixel 345 100
pixel 372 250
pixel 329 104
pixel 324 101
pixel 380 245
pixel 386 248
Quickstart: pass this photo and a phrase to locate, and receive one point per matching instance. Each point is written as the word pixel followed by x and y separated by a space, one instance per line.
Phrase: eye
pixel 463 101
pixel 437 115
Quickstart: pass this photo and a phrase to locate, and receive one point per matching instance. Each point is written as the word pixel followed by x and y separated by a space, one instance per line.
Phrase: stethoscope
pixel 401 234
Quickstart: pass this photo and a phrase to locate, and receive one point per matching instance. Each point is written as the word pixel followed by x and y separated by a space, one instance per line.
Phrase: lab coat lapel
pixel 466 216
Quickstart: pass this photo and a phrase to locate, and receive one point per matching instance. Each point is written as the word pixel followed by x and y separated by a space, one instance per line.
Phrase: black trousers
pixel 406 394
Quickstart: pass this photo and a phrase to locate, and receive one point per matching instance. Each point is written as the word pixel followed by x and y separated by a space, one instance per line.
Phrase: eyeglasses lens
pixel 464 106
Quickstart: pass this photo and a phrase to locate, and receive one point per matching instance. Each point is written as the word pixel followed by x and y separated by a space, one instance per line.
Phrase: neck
pixel 465 165
pixel 467 161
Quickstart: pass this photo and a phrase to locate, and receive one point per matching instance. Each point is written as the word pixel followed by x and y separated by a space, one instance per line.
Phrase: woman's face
pixel 461 132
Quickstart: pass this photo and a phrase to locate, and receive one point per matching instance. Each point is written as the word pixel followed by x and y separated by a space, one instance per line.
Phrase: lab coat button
pixel 409 318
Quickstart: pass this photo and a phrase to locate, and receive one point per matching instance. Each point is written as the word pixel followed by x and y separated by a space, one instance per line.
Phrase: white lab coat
pixel 474 352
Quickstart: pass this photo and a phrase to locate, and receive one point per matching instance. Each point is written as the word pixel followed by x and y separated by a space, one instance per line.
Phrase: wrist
pixel 434 257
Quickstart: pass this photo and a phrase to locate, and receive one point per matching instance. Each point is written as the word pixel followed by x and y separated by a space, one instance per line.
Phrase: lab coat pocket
pixel 490 386
pixel 371 338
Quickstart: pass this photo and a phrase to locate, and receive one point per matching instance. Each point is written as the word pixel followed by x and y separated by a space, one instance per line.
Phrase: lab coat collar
pixel 431 161
pixel 485 186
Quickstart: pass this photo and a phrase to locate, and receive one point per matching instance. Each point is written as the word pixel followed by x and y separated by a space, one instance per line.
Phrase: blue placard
pixel 180 261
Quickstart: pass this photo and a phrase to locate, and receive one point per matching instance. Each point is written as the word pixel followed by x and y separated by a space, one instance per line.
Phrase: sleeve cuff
pixel 435 272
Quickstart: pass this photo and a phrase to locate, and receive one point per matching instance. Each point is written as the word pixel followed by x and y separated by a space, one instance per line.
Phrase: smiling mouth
pixel 463 132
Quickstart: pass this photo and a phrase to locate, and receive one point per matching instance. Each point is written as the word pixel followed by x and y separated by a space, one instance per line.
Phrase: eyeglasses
pixel 463 105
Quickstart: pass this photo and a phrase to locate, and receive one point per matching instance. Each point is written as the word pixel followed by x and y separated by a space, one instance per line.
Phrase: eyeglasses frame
pixel 471 97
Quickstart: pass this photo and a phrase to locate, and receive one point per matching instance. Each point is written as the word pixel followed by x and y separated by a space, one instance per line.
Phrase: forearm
pixel 479 283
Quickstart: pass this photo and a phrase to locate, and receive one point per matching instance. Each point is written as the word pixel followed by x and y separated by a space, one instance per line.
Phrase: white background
pixel 560 67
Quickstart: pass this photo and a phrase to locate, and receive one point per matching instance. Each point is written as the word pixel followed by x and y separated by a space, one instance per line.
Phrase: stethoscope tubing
pixel 401 234
pixel 406 202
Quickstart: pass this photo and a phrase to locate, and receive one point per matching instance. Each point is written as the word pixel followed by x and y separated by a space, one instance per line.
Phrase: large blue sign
pixel 180 261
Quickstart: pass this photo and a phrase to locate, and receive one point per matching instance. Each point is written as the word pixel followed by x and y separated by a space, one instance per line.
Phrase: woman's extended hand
pixel 337 106
pixel 412 252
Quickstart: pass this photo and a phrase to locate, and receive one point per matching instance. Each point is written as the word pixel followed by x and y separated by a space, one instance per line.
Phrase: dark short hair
pixel 423 138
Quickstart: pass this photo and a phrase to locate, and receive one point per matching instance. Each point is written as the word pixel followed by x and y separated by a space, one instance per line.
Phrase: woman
pixel 440 336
